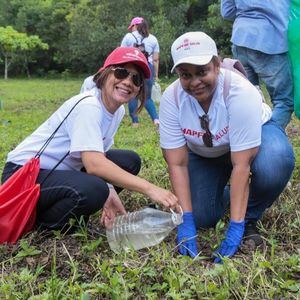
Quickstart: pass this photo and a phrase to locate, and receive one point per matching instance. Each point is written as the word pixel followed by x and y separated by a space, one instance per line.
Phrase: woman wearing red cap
pixel 85 174
pixel 141 38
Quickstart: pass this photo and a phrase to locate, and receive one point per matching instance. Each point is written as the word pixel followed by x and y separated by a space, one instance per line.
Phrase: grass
pixel 81 265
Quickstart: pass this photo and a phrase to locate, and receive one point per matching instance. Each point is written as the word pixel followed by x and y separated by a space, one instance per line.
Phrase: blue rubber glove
pixel 230 245
pixel 186 236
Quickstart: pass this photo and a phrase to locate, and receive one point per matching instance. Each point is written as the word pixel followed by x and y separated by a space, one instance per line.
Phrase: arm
pixel 239 192
pixel 155 64
pixel 239 188
pixel 177 160
pixel 112 207
pixel 228 9
pixel 97 164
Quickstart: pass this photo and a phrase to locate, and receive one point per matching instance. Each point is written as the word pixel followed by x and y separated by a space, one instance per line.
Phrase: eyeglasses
pixel 122 73
pixel 207 136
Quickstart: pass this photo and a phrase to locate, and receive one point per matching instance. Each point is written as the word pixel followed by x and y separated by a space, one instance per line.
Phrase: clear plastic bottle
pixel 141 229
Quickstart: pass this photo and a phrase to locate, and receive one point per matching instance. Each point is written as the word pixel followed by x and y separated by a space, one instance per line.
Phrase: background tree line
pixel 75 36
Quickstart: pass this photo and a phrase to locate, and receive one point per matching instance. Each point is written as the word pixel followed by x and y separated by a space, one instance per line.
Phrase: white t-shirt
pixel 88 84
pixel 89 127
pixel 150 42
pixel 235 126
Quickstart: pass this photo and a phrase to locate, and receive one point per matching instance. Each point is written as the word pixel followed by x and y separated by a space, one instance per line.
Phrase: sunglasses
pixel 207 136
pixel 122 73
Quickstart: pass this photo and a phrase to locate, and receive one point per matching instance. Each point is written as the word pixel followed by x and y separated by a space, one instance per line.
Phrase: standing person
pixel 209 136
pixel 91 175
pixel 259 38
pixel 141 38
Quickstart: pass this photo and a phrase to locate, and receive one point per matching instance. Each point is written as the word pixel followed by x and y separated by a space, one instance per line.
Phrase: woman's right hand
pixel 162 196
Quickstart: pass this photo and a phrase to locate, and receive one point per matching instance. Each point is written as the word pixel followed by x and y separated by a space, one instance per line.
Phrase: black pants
pixel 74 194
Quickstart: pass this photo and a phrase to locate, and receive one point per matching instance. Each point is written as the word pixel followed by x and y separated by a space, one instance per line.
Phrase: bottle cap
pixel 177 218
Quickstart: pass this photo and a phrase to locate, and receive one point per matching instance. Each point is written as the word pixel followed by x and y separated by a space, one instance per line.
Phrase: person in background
pixel 92 174
pixel 209 137
pixel 259 38
pixel 141 38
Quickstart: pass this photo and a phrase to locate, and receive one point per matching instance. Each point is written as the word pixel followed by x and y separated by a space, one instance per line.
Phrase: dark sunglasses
pixel 122 73
pixel 207 136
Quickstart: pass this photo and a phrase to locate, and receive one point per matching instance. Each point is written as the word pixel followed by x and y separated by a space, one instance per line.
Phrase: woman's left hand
pixel 232 241
pixel 161 196
pixel 112 207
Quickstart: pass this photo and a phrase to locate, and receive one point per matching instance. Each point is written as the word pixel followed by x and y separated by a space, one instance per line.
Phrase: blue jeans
pixel 274 70
pixel 271 170
pixel 149 104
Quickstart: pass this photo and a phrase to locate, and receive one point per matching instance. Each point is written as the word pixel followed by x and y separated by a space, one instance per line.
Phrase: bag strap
pixel 40 152
pixel 226 86
pixel 135 38
pixel 234 65
pixel 51 137
pixel 58 163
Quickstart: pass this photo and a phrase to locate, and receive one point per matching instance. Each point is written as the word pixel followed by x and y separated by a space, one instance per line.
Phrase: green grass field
pixel 81 265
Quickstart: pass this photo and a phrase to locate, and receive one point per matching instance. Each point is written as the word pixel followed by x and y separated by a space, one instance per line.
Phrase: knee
pixel 94 194
pixel 275 174
pixel 134 162
pixel 274 164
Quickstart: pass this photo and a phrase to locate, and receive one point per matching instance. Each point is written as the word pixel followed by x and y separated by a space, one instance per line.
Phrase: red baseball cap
pixel 123 55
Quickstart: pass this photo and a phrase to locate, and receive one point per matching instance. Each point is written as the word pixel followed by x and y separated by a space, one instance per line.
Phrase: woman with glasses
pixel 140 37
pixel 86 174
pixel 214 127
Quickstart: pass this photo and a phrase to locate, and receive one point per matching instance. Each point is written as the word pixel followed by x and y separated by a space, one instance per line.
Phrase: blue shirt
pixel 258 24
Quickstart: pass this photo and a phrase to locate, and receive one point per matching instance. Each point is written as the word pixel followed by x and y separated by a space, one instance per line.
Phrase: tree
pixel 14 44
pixel 81 33
pixel 165 33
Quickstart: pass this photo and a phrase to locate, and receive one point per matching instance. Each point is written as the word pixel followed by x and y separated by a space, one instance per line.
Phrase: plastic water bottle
pixel 156 92
pixel 141 229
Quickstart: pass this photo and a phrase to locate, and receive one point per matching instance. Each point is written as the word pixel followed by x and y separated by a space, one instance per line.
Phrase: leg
pixel 275 72
pixel 132 107
pixel 149 104
pixel 68 194
pixel 72 194
pixel 82 194
pixel 277 75
pixel 242 54
pixel 208 177
pixel 125 159
pixel 271 170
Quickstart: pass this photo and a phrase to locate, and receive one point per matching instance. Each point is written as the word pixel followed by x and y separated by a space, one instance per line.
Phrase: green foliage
pixel 81 33
pixel 14 44
pixel 164 29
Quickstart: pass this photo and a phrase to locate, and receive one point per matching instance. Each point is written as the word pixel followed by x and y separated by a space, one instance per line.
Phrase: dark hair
pixel 101 77
pixel 143 29
pixel 216 61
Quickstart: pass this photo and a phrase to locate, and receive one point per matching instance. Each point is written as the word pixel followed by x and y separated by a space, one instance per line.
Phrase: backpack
pixel 140 46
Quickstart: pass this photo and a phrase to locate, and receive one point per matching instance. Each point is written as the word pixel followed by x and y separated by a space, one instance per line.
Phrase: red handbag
pixel 20 193
pixel 18 198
